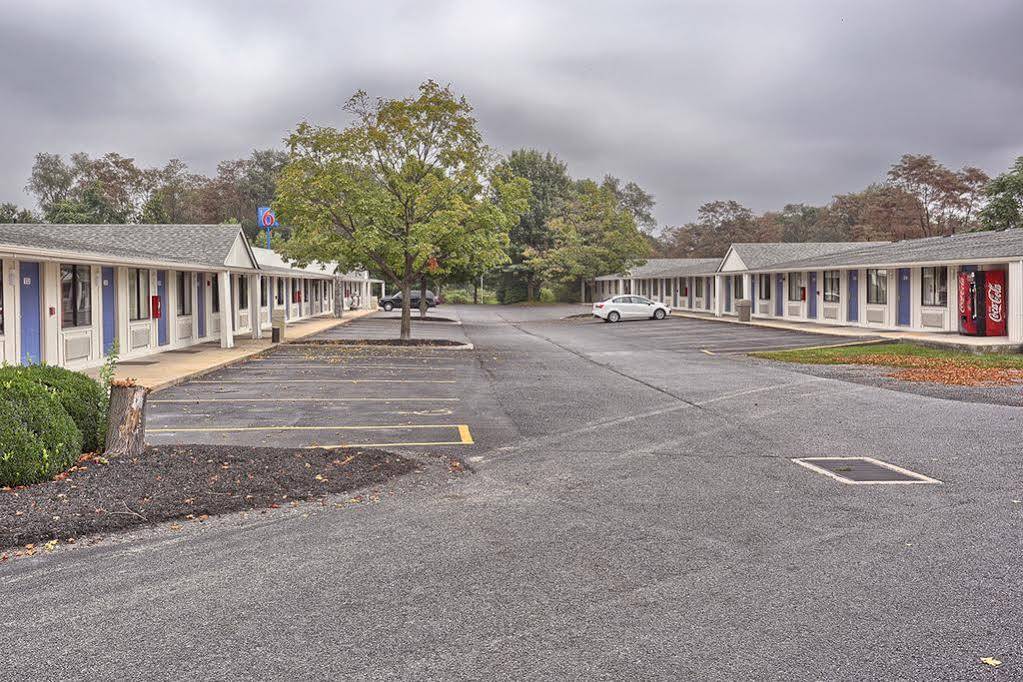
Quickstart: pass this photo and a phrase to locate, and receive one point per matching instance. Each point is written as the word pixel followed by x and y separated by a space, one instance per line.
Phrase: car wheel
pixel 613 316
pixel 388 306
pixel 659 314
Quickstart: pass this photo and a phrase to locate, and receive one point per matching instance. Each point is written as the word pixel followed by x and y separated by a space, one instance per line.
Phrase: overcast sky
pixel 765 102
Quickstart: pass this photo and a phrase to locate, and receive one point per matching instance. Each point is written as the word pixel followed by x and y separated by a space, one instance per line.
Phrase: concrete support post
pixel 255 309
pixel 719 299
pixel 226 310
pixel 1014 302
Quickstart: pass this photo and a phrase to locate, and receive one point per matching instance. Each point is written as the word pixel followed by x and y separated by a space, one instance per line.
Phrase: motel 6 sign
pixel 267 220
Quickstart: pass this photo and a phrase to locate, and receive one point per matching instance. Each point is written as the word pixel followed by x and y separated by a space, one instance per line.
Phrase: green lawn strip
pixel 851 355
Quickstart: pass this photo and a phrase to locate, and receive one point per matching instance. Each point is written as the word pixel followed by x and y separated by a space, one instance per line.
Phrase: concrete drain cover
pixel 862 470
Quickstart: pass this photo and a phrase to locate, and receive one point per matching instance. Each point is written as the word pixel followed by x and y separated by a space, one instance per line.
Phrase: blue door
pixel 31 325
pixel 905 317
pixel 753 291
pixel 728 294
pixel 854 295
pixel 200 303
pixel 779 291
pixel 109 309
pixel 689 288
pixel 161 291
pixel 811 296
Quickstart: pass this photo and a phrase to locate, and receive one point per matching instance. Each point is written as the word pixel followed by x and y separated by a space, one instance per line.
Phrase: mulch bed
pixel 440 343
pixel 190 482
pixel 952 372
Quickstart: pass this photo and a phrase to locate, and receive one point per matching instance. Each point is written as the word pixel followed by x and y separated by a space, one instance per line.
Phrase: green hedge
pixel 38 439
pixel 80 396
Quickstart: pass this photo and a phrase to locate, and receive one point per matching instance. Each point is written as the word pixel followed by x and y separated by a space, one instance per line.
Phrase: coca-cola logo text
pixel 994 301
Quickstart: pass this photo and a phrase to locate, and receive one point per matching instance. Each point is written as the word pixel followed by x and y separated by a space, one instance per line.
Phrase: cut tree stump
pixel 126 420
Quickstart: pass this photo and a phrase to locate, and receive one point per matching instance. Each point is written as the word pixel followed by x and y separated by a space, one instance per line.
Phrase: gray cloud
pixel 763 102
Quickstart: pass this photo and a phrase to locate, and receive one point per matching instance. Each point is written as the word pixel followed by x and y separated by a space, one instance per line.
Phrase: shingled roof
pixel 966 247
pixel 669 267
pixel 198 245
pixel 760 256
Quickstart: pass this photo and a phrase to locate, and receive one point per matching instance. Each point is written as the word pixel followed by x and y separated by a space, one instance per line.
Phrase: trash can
pixel 745 309
pixel 278 324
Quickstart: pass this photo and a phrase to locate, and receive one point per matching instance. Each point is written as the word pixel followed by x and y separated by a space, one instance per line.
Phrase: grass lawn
pixel 899 355
pixel 915 363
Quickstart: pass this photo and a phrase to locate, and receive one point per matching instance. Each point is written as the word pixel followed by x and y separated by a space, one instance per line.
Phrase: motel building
pixel 966 284
pixel 70 291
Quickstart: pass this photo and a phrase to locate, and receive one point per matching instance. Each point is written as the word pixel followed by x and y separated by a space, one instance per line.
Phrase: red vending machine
pixel 982 303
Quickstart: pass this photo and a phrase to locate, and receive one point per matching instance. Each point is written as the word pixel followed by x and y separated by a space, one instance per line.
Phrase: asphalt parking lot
pixel 686 333
pixel 312 396
pixel 635 512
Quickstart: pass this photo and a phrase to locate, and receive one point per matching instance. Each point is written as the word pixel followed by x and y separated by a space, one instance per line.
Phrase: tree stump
pixel 126 419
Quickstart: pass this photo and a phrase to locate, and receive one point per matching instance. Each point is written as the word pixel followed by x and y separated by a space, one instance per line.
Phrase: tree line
pixel 411 191
pixel 918 197
pixel 115 189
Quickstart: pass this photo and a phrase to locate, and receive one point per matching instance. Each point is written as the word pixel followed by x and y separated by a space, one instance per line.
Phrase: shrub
pixel 547 296
pixel 82 398
pixel 38 438
pixel 458 296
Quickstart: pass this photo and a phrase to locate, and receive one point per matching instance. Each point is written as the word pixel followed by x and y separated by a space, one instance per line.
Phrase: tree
pixel 10 213
pixel 593 235
pixel 51 180
pixel 404 188
pixel 1004 196
pixel 550 187
pixel 718 224
pixel 948 200
pixel 634 199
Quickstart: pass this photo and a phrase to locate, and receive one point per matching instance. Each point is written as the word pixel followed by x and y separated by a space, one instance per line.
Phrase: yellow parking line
pixel 463 433
pixel 385 445
pixel 335 427
pixel 303 400
pixel 704 350
pixel 270 380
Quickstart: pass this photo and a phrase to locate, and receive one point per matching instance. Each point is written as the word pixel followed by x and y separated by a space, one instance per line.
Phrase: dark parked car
pixel 394 300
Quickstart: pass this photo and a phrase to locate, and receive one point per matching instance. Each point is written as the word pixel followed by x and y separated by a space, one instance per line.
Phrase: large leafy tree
pixel 550 187
pixel 11 213
pixel 1004 195
pixel 407 189
pixel 593 234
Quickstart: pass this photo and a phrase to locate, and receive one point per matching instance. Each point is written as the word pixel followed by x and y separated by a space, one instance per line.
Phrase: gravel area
pixel 184 482
pixel 872 375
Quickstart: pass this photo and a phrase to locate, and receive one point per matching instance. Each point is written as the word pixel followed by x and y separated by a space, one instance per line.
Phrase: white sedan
pixel 619 308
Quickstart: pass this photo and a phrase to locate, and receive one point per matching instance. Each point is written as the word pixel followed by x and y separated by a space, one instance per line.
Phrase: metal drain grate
pixel 862 470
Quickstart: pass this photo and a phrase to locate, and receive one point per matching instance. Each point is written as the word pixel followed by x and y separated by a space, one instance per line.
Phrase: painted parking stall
pixel 325 396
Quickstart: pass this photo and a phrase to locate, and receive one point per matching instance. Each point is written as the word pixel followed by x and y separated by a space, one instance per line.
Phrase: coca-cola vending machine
pixel 982 303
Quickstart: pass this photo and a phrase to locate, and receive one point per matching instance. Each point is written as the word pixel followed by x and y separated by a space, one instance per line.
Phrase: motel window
pixel 280 291
pixel 832 286
pixel 737 292
pixel 215 293
pixel 795 286
pixel 698 287
pixel 934 285
pixel 243 292
pixel 764 287
pixel 184 281
pixel 138 294
pixel 877 287
pixel 75 296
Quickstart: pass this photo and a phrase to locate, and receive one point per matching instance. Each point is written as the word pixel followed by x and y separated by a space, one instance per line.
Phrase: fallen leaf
pixel 175 526
pixel 50 546
pixel 993 662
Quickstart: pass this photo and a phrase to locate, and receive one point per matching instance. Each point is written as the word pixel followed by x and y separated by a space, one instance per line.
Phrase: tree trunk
pixel 529 290
pixel 406 301
pixel 126 420
pixel 422 298
pixel 339 298
pixel 475 291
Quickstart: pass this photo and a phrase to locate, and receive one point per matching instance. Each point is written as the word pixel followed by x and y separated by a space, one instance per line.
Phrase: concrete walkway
pixel 169 368
pixel 953 340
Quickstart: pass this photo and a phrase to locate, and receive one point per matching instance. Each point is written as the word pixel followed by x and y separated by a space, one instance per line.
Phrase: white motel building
pixel 911 285
pixel 71 291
